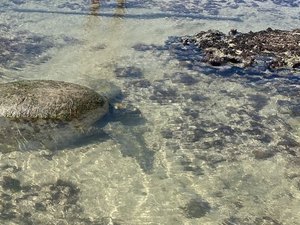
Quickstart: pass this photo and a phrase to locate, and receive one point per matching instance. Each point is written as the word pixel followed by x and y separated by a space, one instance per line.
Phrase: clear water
pixel 208 149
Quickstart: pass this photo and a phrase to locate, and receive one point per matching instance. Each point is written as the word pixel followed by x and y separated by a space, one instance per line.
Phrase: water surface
pixel 206 149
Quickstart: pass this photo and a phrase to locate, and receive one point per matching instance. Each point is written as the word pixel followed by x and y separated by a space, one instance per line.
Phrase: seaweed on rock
pixel 256 56
pixel 267 49
pixel 281 47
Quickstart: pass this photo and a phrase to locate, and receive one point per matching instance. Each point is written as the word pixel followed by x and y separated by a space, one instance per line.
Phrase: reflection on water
pixel 95 6
pixel 185 144
pixel 120 7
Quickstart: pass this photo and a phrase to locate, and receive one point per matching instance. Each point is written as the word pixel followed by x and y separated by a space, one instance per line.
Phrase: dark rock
pixel 167 134
pixel 295 111
pixel 6 213
pixel 256 131
pixel 264 220
pixel 40 207
pixel 226 130
pixel 163 94
pixel 6 197
pixel 173 145
pixel 284 106
pixel 289 142
pixel 288 89
pixel 259 101
pixel 196 208
pixel 232 221
pixel 10 168
pixel 260 154
pixel 12 184
pixel 196 97
pixel 198 171
pixel 140 83
pixel 18 2
pixel 267 220
pixel 194 113
pixel 216 144
pixel 128 72
pixel 64 192
pixel 199 133
pixel 143 47
pixel 265 138
pixel 183 78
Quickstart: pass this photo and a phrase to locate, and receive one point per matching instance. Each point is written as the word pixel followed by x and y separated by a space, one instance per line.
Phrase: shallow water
pixel 204 147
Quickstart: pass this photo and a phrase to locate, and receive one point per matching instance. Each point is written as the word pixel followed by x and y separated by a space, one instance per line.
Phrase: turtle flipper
pixel 132 144
pixel 47 135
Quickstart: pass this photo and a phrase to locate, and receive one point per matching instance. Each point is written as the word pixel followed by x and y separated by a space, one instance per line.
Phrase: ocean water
pixel 193 146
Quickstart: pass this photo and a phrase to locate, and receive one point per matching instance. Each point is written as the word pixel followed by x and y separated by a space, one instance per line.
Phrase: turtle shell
pixel 47 114
pixel 48 99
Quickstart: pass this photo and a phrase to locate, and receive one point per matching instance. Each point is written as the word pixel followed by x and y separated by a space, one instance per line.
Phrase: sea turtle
pixel 53 115
pixel 47 114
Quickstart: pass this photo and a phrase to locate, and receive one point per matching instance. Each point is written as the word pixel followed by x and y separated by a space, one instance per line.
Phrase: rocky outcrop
pixel 274 49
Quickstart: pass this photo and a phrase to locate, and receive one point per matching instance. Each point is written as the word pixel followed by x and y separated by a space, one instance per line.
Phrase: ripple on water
pixel 212 146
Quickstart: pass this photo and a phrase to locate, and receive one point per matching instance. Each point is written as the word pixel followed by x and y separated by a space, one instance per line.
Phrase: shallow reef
pixel 51 203
pixel 248 122
pixel 20 48
pixel 255 56
pixel 274 49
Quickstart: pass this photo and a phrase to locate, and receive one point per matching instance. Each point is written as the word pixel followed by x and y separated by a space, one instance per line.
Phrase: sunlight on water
pixel 185 145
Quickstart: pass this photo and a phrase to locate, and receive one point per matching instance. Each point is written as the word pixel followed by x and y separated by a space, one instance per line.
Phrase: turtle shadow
pixel 127 127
